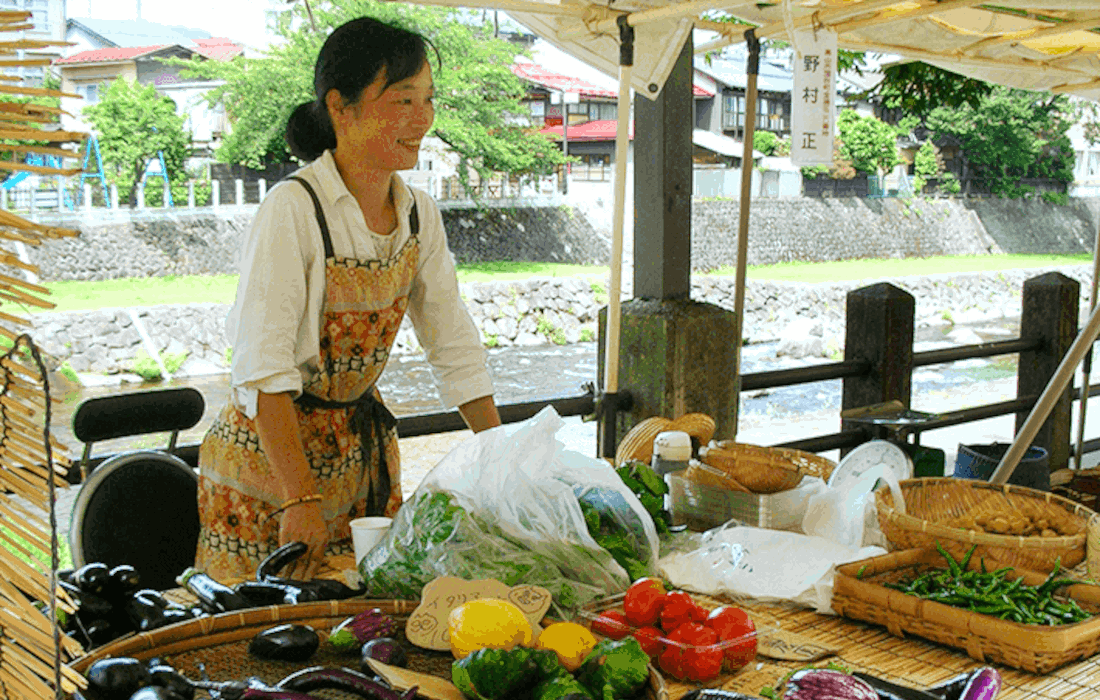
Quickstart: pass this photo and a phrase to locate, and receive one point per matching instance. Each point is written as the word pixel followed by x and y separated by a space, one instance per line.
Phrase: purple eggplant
pixel 826 684
pixel 984 684
pixel 285 643
pixel 385 649
pixel 351 634
pixel 892 691
pixel 118 677
pixel 343 679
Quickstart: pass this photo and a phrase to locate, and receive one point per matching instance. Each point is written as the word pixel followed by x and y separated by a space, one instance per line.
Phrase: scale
pixel 874 455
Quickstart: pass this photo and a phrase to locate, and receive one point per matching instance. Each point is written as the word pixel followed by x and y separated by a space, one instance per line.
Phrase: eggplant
pixel 116 679
pixel 88 604
pixel 355 631
pixel 261 593
pixel 285 643
pixel 165 676
pixel 984 684
pixel 952 689
pixel 156 692
pixel 92 578
pixel 826 684
pixel 343 679
pixel 385 649
pixel 892 691
pixel 323 588
pixel 717 694
pixel 122 580
pixel 144 614
pixel 278 560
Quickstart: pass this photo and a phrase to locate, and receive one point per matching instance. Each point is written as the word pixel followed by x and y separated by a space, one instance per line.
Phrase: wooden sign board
pixel 427 626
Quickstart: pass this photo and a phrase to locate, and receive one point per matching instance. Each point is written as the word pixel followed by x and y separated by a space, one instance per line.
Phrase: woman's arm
pixel 480 414
pixel 277 425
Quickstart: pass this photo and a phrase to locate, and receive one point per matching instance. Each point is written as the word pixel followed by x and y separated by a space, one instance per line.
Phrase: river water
pixel 523 374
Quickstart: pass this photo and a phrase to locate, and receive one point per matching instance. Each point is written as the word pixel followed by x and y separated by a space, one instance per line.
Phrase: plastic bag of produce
pixel 513 504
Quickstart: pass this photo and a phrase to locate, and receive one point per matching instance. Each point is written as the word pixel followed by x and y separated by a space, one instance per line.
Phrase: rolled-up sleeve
pixel 441 320
pixel 270 323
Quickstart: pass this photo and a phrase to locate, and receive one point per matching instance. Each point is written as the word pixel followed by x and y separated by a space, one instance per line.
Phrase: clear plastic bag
pixel 507 504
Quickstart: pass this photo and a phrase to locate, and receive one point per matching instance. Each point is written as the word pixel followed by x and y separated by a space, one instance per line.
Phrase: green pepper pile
pixel 991 593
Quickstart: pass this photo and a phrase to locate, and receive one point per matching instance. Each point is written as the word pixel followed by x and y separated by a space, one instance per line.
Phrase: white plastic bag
pixel 848 515
pixel 519 485
pixel 763 564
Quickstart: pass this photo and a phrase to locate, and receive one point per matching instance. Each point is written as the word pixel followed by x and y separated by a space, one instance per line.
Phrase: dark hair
pixel 352 58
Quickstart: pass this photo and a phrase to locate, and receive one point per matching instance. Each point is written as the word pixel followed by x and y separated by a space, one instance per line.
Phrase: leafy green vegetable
pixel 615 669
pixel 561 688
pixel 495 674
pixel 548 663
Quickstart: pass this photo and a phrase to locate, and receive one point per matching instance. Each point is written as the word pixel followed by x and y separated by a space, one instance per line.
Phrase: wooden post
pixel 879 330
pixel 1050 314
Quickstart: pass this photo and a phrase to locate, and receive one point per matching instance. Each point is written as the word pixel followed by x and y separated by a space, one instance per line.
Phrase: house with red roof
pixel 104 50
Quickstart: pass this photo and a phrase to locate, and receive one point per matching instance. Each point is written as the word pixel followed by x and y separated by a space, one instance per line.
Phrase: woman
pixel 334 258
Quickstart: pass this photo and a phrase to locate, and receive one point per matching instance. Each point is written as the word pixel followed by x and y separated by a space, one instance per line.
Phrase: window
pixel 1094 163
pixel 733 111
pixel 90 93
pixel 538 109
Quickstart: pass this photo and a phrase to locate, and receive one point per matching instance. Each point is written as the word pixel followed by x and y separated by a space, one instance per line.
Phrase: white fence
pixel 725 183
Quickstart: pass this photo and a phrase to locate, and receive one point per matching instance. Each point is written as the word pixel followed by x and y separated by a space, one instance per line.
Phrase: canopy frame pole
pixel 611 400
pixel 1086 365
pixel 1058 383
pixel 752 69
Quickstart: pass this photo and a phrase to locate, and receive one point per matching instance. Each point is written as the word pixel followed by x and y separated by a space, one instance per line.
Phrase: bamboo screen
pixel 33 651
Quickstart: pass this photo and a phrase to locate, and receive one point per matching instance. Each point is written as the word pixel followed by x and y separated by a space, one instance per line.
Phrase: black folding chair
pixel 138 507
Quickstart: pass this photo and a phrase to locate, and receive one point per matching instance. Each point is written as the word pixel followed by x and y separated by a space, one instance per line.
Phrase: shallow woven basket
pixel 638 442
pixel 765 469
pixel 698 425
pixel 218 645
pixel 932 503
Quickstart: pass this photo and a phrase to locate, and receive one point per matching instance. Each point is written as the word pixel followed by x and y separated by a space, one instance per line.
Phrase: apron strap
pixel 414 216
pixel 369 417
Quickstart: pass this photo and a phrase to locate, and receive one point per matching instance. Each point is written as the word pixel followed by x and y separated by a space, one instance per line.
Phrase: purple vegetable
pixel 351 634
pixel 984 684
pixel 385 649
pixel 826 684
pixel 345 679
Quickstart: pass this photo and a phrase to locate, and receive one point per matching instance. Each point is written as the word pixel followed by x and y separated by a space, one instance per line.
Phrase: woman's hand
pixel 304 522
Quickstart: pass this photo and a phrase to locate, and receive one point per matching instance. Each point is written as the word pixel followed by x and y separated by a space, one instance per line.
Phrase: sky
pixel 240 20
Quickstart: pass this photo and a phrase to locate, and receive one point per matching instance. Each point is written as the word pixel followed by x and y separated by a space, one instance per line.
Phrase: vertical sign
pixel 813 101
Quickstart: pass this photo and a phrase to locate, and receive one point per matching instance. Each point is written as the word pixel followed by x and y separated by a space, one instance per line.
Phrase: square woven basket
pixel 859 593
pixel 933 504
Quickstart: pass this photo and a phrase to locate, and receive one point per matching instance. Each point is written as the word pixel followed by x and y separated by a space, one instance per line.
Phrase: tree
pixel 1011 134
pixel 135 123
pixel 477 95
pixel 770 145
pixel 869 143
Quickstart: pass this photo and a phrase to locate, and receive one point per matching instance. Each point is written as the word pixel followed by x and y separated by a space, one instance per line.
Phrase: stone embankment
pixel 538 311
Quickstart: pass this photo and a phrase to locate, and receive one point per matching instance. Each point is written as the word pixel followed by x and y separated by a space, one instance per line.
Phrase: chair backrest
pixel 137 413
pixel 138 508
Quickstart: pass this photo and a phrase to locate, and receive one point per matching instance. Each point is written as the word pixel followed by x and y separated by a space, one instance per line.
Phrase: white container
pixel 671 452
pixel 366 533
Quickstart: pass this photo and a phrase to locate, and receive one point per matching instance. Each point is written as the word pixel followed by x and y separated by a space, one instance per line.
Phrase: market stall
pixel 915 583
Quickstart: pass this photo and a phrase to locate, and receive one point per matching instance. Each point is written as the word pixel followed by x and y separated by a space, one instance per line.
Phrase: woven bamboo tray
pixel 764 469
pixel 219 644
pixel 931 503
pixel 1034 648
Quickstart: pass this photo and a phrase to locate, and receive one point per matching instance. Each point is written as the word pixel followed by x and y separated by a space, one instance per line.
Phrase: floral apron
pixel 349 437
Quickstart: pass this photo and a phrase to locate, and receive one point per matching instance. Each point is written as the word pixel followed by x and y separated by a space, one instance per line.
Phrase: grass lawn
pixel 220 289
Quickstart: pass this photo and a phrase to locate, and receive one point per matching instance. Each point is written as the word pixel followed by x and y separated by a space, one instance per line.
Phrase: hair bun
pixel 307 134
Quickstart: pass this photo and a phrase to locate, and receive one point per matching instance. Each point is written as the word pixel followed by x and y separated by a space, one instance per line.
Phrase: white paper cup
pixel 367 532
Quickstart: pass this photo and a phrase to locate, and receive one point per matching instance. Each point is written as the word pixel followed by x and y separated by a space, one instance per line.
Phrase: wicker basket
pixel 698 425
pixel 764 469
pixel 934 506
pixel 638 442
pixel 220 644
pixel 859 593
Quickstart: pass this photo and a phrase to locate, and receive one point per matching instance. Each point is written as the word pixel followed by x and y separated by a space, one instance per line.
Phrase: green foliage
pixel 134 123
pixel 229 356
pixel 553 333
pixel 174 360
pixel 154 191
pixel 66 370
pixel 492 341
pixel 477 95
pixel 587 335
pixel 770 144
pixel 925 166
pixel 146 367
pixel 869 143
pixel 1059 198
pixel 1011 134
pixel 949 184
pixel 918 89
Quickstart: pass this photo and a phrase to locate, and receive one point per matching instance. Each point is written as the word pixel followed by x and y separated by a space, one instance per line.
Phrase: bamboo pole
pixel 44 150
pixel 1047 399
pixel 752 70
pixel 1086 365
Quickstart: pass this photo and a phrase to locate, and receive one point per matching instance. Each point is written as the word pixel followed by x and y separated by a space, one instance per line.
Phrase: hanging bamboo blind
pixel 33 650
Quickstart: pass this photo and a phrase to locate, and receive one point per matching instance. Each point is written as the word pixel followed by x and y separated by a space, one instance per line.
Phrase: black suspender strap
pixel 320 216
pixel 414 216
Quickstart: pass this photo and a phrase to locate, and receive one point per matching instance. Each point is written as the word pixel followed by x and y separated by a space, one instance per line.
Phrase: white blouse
pixel 274 325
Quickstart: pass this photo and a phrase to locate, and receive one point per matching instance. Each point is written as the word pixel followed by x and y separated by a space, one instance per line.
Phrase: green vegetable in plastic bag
pixel 615 670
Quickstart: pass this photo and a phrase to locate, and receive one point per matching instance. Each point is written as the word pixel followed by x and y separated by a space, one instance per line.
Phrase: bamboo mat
pixel 872 649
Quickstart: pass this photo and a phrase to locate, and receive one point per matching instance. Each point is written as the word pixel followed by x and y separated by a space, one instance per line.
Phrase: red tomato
pixel 691 653
pixel 677 610
pixel 643 601
pixel 734 625
pixel 611 624
pixel 651 639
